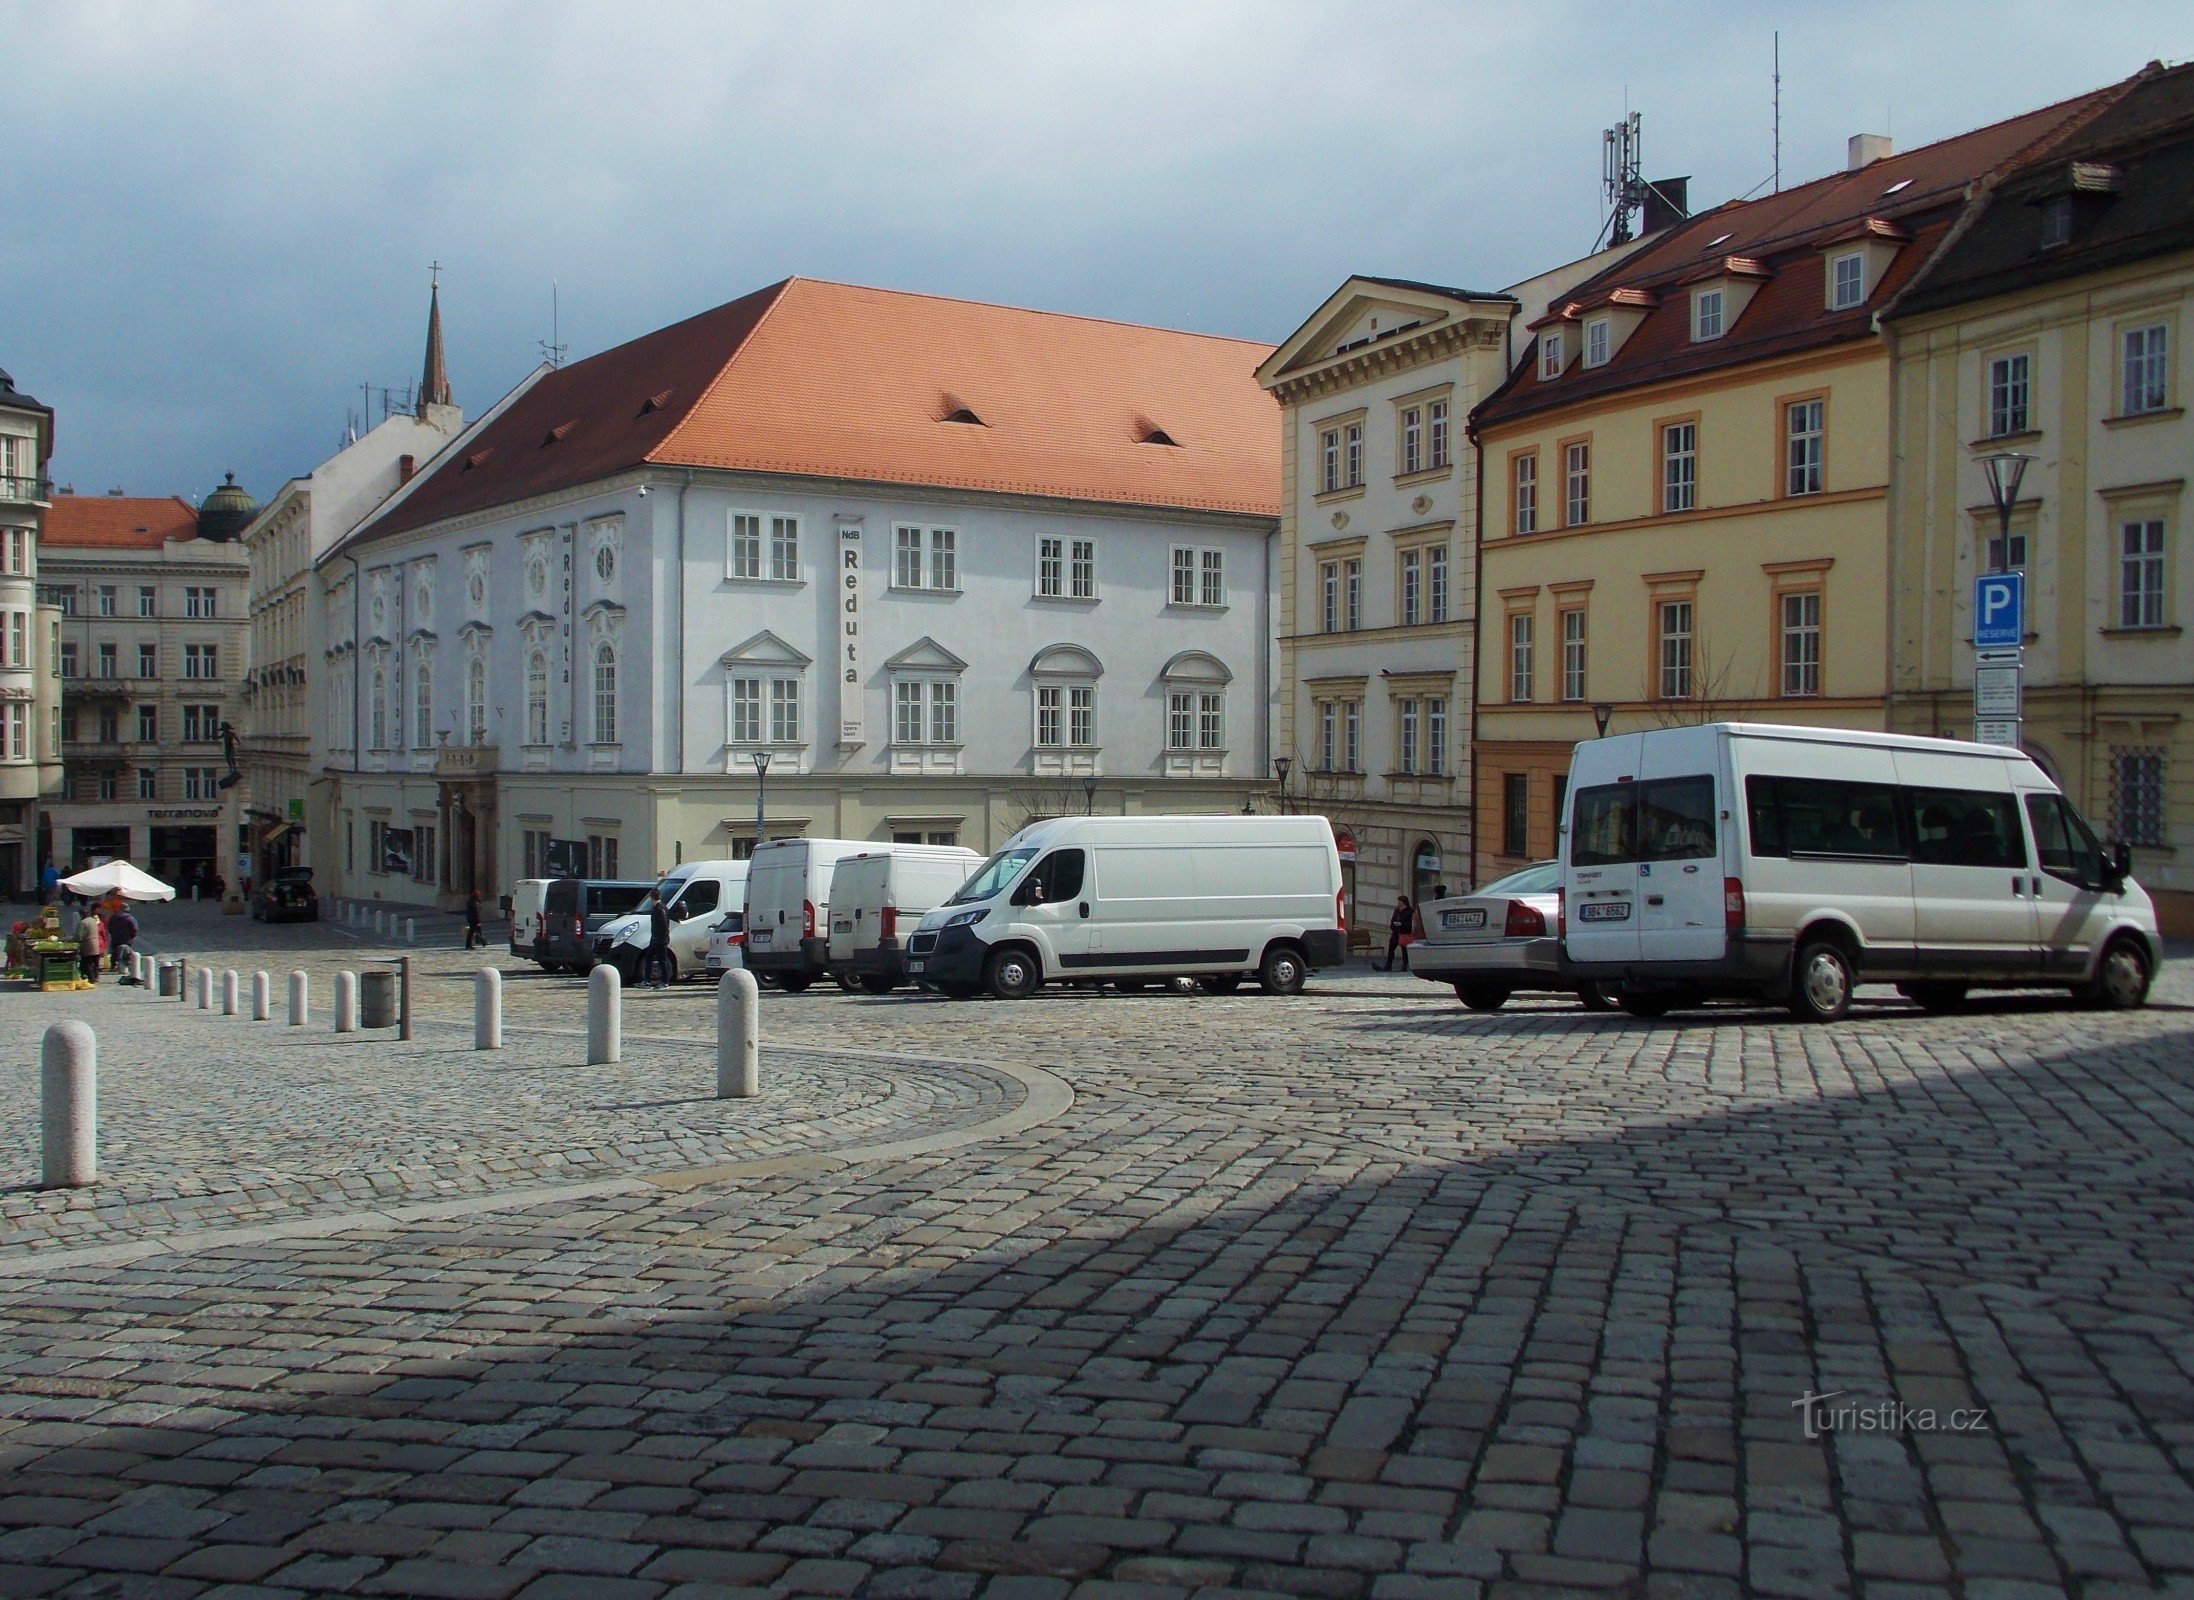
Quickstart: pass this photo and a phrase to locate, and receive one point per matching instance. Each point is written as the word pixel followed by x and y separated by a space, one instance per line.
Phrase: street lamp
pixel 1089 797
pixel 761 788
pixel 1281 766
pixel 1602 712
pixel 2005 470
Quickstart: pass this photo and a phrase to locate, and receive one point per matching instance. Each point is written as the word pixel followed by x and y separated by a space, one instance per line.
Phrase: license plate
pixel 916 966
pixel 1463 919
pixel 760 936
pixel 1604 911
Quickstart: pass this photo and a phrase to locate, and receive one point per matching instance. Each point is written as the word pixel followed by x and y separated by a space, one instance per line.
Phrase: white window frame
pixel 1675 625
pixel 1805 442
pixel 925 712
pixel 1329 596
pixel 1522 655
pixel 1599 341
pixel 2010 393
pixel 1524 491
pixel 476 699
pixel 744 698
pixel 1051 567
pixel 2144 355
pixel 1082 569
pixel 422 701
pixel 1413 588
pixel 1328 735
pixel 1196 577
pixel 1708 309
pixel 107 600
pixel 1436 596
pixel 1352 455
pixel 1195 721
pixel 148 600
pixel 929 560
pixel 1576 653
pixel 1847 288
pixel 1436 736
pixel 1577 483
pixel 1405 735
pixel 1352 735
pixel 1410 433
pixel 1550 354
pixel 605 691
pixel 148 660
pixel 1329 460
pixel 1679 467
pixel 2141 573
pixel 743 552
pixel 1352 595
pixel 1438 438
pixel 148 783
pixel 537 697
pixel 784 710
pixel 148 724
pixel 1798 626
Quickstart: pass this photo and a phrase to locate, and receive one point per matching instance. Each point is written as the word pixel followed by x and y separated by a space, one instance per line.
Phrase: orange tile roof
pixel 116 522
pixel 816 379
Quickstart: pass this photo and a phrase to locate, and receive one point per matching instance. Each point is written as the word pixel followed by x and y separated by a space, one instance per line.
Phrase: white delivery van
pixel 1797 863
pixel 876 898
pixel 788 907
pixel 697 897
pixel 1135 898
pixel 528 928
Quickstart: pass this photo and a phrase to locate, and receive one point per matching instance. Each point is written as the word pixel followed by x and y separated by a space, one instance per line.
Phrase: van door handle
pixel 1083 908
pixel 1654 899
pixel 2018 886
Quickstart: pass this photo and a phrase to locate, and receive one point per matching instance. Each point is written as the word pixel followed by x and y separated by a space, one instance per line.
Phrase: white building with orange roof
pixel 838 561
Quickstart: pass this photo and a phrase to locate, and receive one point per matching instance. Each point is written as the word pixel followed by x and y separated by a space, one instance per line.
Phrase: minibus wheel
pixel 1282 971
pixel 1013 974
pixel 794 982
pixel 1646 1004
pixel 1595 997
pixel 2121 977
pixel 1821 982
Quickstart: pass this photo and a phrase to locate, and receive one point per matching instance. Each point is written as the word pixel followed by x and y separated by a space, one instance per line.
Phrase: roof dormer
pixel 1854 261
pixel 1720 293
pixel 1559 334
pixel 1607 321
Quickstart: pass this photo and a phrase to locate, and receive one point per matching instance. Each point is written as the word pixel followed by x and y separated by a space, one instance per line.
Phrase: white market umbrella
pixel 118 877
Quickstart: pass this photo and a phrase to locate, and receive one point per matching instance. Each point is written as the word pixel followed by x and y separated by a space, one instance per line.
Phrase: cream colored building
pixel 2056 328
pixel 30 751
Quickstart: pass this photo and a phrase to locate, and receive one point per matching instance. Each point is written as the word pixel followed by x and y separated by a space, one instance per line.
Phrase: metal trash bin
pixel 170 976
pixel 377 999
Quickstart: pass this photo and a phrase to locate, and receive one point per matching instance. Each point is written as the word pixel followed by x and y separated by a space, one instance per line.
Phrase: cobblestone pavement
pixel 1357 1295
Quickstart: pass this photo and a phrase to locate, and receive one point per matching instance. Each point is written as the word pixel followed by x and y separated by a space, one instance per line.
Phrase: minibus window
pixel 1826 817
pixel 699 898
pixel 1766 818
pixel 1962 828
pixel 1057 877
pixel 2068 850
pixel 1676 819
pixel 1602 834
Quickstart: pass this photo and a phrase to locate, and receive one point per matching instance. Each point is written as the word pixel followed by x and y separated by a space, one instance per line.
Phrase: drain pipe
pixel 678 651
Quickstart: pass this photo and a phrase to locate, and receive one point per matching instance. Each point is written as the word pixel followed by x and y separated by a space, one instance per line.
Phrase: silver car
pixel 1505 939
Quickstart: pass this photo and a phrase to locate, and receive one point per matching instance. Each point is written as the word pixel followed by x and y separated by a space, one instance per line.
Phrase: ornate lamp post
pixel 2005 470
pixel 1281 767
pixel 1602 714
pixel 1089 797
pixel 761 788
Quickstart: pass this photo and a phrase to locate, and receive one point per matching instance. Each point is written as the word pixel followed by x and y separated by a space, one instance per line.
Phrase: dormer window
pixel 2057 222
pixel 1550 353
pixel 1596 342
pixel 1847 280
pixel 1706 314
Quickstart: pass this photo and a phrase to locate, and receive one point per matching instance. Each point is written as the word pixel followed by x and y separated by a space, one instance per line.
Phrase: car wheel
pixel 845 981
pixel 794 982
pixel 1821 983
pixel 1646 1004
pixel 959 991
pixel 1938 997
pixel 1220 982
pixel 877 983
pixel 1594 997
pixel 1012 974
pixel 1482 996
pixel 2121 978
pixel 546 966
pixel 1282 971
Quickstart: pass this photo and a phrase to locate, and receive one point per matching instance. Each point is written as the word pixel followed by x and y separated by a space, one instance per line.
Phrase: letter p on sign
pixel 1999 610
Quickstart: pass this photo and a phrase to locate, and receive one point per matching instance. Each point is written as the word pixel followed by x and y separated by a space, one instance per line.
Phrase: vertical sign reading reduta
pixel 849 635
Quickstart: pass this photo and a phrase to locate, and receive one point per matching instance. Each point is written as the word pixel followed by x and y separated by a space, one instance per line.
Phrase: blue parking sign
pixel 1999 610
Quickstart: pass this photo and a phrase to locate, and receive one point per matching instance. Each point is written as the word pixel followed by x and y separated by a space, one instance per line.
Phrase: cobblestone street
pixel 1359 1294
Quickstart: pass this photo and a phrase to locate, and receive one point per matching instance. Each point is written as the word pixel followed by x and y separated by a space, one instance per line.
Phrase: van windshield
pixel 670 886
pixel 993 875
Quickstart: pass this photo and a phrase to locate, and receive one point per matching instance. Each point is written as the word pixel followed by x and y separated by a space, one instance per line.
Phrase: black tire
pixel 1941 998
pixel 546 966
pixel 795 982
pixel 1821 981
pixel 1013 973
pixel 877 983
pixel 2121 978
pixel 1219 982
pixel 627 963
pixel 1483 996
pixel 1645 1004
pixel 959 991
pixel 1283 970
pixel 1594 997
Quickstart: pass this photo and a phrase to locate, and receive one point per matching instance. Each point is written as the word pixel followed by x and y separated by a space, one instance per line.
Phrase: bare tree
pixel 1713 688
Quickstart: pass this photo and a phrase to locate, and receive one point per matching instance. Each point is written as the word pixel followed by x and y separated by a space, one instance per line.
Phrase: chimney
pixel 404 468
pixel 1864 150
pixel 1667 202
pixel 115 492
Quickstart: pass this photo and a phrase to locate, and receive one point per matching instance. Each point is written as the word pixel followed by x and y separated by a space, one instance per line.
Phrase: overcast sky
pixel 222 215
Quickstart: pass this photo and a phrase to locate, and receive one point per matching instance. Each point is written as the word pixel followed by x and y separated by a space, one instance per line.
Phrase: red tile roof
pixel 1916 194
pixel 827 380
pixel 116 522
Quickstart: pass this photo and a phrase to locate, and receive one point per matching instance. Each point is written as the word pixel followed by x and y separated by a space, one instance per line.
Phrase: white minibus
pixel 1135 898
pixel 1798 863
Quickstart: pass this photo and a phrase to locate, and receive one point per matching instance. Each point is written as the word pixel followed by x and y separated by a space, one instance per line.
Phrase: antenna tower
pixel 1619 179
pixel 552 348
pixel 1778 111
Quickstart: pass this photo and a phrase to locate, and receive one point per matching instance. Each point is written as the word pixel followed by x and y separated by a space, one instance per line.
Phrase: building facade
pixel 2054 330
pixel 1686 516
pixel 944 567
pixel 306 518
pixel 30 753
pixel 153 646
pixel 1377 574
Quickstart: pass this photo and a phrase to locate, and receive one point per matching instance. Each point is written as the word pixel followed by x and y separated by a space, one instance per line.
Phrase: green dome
pixel 227 512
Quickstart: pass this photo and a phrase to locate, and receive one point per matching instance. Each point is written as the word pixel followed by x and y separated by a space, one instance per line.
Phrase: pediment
pixel 1066 661
pixel 925 655
pixel 1196 666
pixel 765 649
pixel 1362 311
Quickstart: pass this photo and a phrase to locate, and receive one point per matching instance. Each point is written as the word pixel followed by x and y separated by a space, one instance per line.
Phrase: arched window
pixel 605 693
pixel 476 700
pixel 422 701
pixel 537 698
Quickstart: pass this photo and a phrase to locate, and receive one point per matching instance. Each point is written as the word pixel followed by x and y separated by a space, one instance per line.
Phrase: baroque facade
pixel 30 731
pixel 942 566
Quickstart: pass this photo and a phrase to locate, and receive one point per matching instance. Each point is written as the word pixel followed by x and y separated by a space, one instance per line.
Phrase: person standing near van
pixel 1397 934
pixel 655 961
pixel 474 938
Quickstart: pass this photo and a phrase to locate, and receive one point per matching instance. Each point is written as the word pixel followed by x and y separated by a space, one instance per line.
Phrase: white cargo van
pixel 1797 863
pixel 698 897
pixel 876 898
pixel 788 907
pixel 528 928
pixel 1135 898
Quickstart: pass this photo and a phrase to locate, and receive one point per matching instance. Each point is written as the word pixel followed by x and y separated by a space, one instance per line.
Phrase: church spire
pixel 434 377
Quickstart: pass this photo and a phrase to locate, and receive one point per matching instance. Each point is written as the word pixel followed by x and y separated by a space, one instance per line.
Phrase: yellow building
pixel 1687 478
pixel 2054 329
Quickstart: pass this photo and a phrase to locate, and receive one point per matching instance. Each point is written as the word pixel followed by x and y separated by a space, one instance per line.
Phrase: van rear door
pixel 1680 906
pixel 1602 877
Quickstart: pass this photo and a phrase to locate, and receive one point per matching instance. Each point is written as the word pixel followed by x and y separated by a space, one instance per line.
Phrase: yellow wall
pixel 1744 545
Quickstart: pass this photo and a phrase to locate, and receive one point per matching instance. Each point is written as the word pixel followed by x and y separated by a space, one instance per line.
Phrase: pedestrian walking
pixel 1397 934
pixel 655 962
pixel 91 944
pixel 122 934
pixel 474 938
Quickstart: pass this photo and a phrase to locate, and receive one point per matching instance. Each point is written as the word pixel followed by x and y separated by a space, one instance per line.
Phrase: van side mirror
pixel 2117 865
